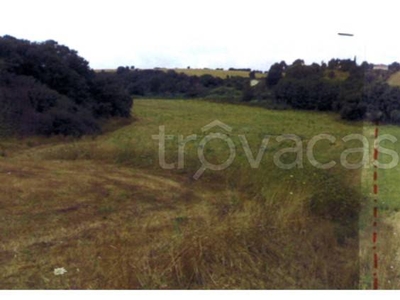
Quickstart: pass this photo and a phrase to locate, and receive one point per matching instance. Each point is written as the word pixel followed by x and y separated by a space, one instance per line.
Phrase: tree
pixel 275 74
pixel 46 88
pixel 394 67
pixel 248 94
pixel 252 75
pixel 298 62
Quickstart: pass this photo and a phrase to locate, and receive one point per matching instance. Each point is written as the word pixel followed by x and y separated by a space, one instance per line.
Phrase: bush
pixel 353 112
pixel 46 88
pixel 395 116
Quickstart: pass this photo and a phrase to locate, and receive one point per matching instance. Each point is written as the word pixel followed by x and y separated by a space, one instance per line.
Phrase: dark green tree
pixel 275 74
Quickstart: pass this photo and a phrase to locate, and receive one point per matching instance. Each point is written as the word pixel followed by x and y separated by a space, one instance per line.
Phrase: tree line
pixel 357 92
pixel 47 88
pixel 170 84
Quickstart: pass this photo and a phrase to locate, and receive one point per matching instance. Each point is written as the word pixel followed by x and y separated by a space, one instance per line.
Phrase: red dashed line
pixel 374 237
pixel 375 282
pixel 375 210
pixel 375 154
pixel 375 189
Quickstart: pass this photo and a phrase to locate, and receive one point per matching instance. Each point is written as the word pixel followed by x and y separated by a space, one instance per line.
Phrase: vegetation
pixel 219 73
pixel 171 84
pixel 362 95
pixel 116 220
pixel 388 211
pixel 355 92
pixel 46 89
pixel 101 207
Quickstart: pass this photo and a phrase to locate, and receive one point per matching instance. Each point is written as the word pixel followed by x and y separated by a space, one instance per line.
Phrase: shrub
pixel 46 88
pixel 224 94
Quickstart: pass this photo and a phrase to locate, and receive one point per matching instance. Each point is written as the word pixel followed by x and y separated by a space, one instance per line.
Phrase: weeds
pixel 105 211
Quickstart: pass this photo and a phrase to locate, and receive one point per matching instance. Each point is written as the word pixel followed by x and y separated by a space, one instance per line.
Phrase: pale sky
pixel 203 33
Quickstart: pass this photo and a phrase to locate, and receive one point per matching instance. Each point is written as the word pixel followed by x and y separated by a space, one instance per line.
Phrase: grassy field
pixel 388 221
pixel 103 208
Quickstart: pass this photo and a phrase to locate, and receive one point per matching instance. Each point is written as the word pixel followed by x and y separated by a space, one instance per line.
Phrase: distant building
pixel 381 67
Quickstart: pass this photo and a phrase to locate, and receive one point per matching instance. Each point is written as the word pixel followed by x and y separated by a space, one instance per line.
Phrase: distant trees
pixel 355 92
pixel 307 94
pixel 46 88
pixel 252 75
pixel 362 95
pixel 170 84
pixel 209 81
pixel 394 67
pixel 305 87
pixel 248 94
pixel 122 70
pixel 240 69
pixel 275 73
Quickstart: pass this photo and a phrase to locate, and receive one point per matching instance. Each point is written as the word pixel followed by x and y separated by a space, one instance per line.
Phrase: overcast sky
pixel 254 34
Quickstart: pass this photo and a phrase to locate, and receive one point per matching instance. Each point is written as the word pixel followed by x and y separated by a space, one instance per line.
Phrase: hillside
pixel 201 186
pixel 104 210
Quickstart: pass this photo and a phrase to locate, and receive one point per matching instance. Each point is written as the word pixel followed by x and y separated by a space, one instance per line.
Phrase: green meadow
pixel 104 208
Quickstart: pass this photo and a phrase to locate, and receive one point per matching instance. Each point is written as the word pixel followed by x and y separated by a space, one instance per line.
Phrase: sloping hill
pixel 104 210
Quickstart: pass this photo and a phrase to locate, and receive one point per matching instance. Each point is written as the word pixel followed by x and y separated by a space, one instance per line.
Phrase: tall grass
pixel 121 221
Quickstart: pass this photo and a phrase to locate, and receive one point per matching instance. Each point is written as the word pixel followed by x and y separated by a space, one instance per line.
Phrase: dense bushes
pixel 362 94
pixel 356 92
pixel 46 88
pixel 169 84
pixel 224 93
pixel 315 94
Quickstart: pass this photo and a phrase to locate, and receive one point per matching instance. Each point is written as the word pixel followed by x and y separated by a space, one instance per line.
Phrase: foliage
pixel 46 88
pixel 362 95
pixel 275 73
pixel 224 93
pixel 170 84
